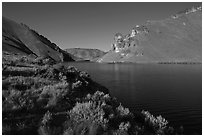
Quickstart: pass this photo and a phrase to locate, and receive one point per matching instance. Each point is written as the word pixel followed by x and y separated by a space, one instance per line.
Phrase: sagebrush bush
pixel 123 111
pixel 24 83
pixel 123 129
pixel 17 100
pixel 159 124
pixel 86 118
pixel 96 109
pixel 46 125
pixel 88 111
pixel 22 92
pixel 43 61
pixel 55 96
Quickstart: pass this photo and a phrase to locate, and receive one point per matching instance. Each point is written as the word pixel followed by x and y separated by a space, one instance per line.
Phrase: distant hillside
pixel 19 38
pixel 175 39
pixel 86 54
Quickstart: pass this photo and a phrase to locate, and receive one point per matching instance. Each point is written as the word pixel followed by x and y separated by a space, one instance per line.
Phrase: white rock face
pixel 122 42
pixel 133 33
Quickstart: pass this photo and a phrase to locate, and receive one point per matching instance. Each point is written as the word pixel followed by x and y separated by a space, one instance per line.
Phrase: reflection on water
pixel 174 91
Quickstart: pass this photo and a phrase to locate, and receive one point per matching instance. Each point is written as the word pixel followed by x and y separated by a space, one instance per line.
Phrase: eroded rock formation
pixel 123 42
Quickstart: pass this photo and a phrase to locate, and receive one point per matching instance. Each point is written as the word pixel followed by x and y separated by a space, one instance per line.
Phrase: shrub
pixel 52 123
pixel 88 111
pixel 123 129
pixel 101 97
pixel 84 74
pixel 77 85
pixel 95 110
pixel 45 127
pixel 158 124
pixel 123 111
pixel 43 61
pixel 24 83
pixel 55 96
pixel 17 100
pixel 86 118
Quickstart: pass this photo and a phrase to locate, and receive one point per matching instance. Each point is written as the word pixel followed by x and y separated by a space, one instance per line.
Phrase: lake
pixel 173 91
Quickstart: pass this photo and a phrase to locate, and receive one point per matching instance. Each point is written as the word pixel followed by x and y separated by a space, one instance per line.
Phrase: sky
pixel 88 25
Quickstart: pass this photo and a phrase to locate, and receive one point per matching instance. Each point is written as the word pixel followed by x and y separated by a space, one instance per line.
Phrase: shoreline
pixel 182 63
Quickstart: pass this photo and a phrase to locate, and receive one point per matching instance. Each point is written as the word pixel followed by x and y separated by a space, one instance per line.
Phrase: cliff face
pixel 175 39
pixel 19 38
pixel 86 54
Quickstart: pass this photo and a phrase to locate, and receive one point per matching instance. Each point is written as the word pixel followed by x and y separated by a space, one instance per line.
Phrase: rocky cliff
pixel 176 39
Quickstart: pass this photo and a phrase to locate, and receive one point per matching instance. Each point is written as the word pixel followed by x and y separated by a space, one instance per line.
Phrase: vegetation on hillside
pixel 41 97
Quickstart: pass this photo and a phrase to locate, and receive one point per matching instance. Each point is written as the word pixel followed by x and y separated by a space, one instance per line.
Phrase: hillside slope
pixel 19 38
pixel 86 54
pixel 176 39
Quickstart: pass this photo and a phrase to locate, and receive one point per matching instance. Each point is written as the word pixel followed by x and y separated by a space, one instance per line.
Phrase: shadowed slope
pixel 19 38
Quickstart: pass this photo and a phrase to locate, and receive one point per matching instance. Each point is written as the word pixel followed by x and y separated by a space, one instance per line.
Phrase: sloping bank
pixel 38 98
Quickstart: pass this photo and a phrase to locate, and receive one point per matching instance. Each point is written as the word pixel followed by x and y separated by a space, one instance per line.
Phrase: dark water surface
pixel 173 91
